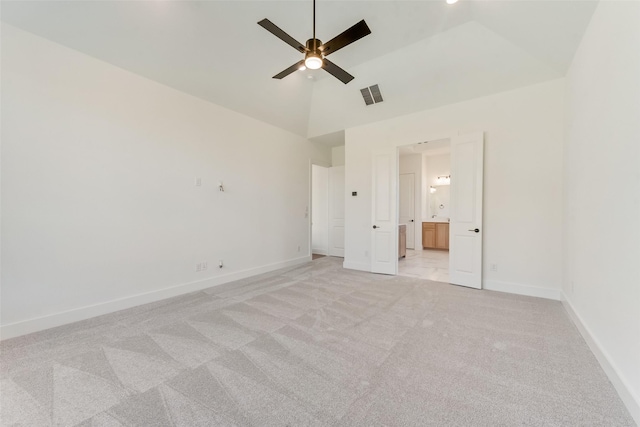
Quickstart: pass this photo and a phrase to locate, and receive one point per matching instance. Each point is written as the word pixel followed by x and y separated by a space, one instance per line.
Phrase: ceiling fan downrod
pixel 313 59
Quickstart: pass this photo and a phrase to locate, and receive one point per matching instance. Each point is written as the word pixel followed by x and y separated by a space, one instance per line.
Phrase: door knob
pixel 375 226
pixel 477 230
pixel 411 220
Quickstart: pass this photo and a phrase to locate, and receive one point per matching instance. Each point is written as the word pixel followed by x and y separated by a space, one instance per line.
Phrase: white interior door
pixel 384 231
pixel 319 210
pixel 336 211
pixel 465 235
pixel 407 206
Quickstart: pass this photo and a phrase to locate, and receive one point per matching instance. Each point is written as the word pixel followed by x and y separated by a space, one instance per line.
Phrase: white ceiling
pixel 423 54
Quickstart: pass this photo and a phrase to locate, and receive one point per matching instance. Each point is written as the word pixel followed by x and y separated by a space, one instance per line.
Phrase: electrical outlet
pixel 198 181
pixel 198 267
pixel 298 248
pixel 494 267
pixel 204 265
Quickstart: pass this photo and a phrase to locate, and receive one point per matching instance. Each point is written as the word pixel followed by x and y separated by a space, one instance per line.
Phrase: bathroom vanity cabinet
pixel 435 235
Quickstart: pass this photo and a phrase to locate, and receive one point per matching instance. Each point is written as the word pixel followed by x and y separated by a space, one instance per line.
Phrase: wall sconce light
pixel 220 186
pixel 444 180
pixel 432 189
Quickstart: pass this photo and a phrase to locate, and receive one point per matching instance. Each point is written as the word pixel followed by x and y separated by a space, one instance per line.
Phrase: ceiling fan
pixel 315 52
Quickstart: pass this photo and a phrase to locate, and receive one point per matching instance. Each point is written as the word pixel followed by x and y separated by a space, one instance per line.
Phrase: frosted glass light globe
pixel 313 62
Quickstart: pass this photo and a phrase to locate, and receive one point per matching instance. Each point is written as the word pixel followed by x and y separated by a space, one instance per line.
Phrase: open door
pixel 336 211
pixel 465 235
pixel 384 231
pixel 407 206
pixel 319 210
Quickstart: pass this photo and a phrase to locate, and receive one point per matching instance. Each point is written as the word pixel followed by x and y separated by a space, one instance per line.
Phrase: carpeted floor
pixel 314 345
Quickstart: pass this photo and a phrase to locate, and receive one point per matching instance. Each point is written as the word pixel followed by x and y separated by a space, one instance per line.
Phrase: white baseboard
pixel 628 397
pixel 360 266
pixel 516 288
pixel 82 313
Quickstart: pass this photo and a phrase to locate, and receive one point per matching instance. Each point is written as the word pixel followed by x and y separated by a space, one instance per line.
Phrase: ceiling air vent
pixel 371 94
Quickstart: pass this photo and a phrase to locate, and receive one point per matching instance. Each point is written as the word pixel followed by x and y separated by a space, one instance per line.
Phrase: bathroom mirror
pixel 439 202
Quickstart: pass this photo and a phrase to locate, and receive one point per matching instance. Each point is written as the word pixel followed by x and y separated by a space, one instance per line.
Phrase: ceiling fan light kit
pixel 313 60
pixel 315 52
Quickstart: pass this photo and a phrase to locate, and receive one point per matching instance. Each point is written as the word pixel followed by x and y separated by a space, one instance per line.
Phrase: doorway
pixel 454 223
pixel 427 166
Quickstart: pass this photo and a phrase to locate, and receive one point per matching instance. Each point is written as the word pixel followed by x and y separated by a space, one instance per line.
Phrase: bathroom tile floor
pixel 430 264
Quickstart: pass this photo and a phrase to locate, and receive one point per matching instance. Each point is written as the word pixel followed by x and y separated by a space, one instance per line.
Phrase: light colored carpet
pixel 314 345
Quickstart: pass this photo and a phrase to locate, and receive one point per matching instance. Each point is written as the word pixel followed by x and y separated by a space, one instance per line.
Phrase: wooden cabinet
pixel 442 235
pixel 428 234
pixel 402 241
pixel 435 235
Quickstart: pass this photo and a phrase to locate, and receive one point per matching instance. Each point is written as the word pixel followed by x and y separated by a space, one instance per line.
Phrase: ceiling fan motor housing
pixel 311 47
pixel 313 57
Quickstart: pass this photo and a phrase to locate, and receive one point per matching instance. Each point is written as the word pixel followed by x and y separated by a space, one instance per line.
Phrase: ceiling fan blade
pixel 276 31
pixel 289 70
pixel 347 37
pixel 336 71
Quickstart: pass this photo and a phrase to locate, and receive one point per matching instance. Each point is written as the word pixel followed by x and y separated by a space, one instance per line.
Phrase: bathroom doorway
pixel 425 170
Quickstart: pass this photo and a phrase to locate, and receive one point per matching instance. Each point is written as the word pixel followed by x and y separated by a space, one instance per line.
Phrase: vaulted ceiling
pixel 423 54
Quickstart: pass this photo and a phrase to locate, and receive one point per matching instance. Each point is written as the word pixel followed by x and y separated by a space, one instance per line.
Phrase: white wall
pixel 319 210
pixel 602 193
pixel 337 156
pixel 412 163
pixel 523 181
pixel 100 211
